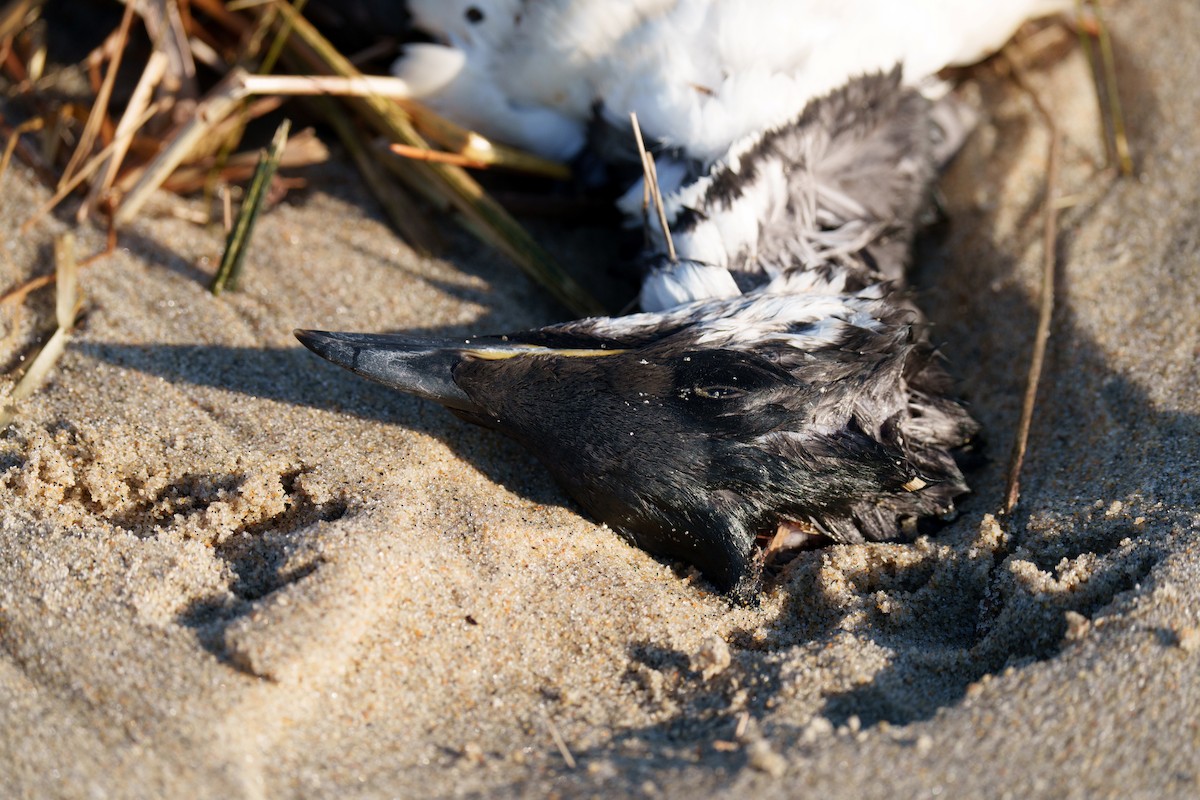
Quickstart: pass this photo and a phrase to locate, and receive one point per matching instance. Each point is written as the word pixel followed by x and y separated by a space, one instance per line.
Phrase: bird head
pixel 692 432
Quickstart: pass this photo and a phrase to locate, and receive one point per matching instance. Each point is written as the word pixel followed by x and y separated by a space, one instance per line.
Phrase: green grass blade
pixel 239 238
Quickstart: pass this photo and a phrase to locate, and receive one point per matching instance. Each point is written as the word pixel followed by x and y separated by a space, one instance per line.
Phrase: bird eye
pixel 719 392
pixel 474 15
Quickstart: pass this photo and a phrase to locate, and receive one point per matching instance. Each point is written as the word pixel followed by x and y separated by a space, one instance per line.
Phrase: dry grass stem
pixel 1037 359
pixel 36 65
pixel 1120 138
pixel 100 106
pixel 165 26
pixel 345 86
pixel 650 178
pixel 14 138
pixel 646 190
pixel 23 150
pixel 441 157
pixel 66 309
pixel 1104 77
pixel 18 293
pixel 204 53
pixel 66 269
pixel 561 744
pixel 152 75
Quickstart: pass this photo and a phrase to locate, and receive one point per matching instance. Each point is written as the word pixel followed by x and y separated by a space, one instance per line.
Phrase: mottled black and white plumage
pixel 835 193
pixel 801 391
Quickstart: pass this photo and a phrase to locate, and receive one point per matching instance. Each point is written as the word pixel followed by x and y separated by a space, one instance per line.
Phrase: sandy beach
pixel 228 569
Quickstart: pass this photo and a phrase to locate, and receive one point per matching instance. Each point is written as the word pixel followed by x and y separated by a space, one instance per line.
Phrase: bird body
pixel 700 74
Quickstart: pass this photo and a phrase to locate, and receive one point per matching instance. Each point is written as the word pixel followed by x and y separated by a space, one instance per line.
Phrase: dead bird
pixel 803 393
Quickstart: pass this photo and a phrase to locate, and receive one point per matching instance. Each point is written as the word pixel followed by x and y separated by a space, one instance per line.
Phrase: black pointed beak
pixel 421 367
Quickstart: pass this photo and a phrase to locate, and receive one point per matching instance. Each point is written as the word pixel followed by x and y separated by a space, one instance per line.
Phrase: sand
pixel 228 569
